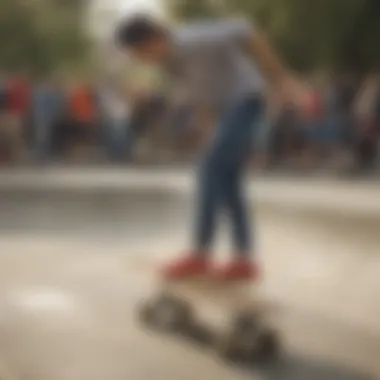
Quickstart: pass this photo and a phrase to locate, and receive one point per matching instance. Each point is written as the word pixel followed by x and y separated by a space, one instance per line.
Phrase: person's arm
pixel 269 63
pixel 249 37
pixel 286 88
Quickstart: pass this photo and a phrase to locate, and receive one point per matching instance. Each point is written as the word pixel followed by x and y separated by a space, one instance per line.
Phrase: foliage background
pixel 332 35
pixel 43 36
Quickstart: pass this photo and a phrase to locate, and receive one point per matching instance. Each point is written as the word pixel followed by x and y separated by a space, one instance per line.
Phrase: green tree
pixel 323 34
pixel 42 35
pixel 188 10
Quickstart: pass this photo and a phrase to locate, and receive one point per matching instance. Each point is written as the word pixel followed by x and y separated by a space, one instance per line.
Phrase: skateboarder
pixel 224 67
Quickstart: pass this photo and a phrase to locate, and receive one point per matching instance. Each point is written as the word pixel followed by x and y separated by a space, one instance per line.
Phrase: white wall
pixel 104 14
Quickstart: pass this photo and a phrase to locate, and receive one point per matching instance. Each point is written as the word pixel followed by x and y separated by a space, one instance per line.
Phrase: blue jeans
pixel 42 141
pixel 120 139
pixel 221 175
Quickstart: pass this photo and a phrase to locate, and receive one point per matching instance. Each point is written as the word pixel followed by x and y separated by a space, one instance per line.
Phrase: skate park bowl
pixel 75 248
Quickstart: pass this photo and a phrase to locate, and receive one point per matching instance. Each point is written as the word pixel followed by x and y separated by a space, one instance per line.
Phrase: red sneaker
pixel 187 267
pixel 239 270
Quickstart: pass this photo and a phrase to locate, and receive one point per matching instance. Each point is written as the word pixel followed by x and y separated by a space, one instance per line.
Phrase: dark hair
pixel 138 30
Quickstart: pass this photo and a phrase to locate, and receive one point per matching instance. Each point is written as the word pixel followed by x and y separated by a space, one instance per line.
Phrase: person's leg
pixel 17 141
pixel 227 153
pixel 121 143
pixel 240 129
pixel 223 173
pixel 130 141
pixel 209 198
pixel 243 264
pixel 238 210
pixel 78 148
pixel 114 142
pixel 42 138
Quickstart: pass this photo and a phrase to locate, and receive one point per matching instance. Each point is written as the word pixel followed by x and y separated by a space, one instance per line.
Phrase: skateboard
pixel 228 317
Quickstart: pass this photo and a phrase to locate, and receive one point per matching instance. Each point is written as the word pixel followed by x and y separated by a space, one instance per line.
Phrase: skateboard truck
pixel 166 313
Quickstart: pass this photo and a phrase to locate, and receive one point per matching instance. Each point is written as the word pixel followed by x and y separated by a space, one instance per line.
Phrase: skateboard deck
pixel 216 300
pixel 229 312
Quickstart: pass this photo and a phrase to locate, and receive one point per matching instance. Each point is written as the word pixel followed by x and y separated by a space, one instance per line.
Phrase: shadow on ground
pixel 297 368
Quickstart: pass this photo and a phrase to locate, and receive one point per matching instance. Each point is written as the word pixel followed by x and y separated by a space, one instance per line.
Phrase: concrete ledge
pixel 343 198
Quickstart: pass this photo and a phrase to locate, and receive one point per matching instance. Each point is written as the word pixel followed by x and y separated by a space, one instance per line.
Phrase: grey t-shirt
pixel 211 65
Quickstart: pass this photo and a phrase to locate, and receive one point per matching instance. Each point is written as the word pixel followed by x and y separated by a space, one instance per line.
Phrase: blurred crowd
pixel 338 127
pixel 47 120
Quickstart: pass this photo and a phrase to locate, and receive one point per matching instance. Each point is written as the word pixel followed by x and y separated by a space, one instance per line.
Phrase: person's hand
pixel 291 92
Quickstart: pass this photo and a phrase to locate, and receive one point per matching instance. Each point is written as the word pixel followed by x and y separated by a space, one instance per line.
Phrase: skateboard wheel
pixel 167 314
pixel 146 313
pixel 228 348
pixel 268 347
pixel 237 343
pixel 248 340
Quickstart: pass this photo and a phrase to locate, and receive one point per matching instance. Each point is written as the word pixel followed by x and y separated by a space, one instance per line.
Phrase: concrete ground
pixel 72 270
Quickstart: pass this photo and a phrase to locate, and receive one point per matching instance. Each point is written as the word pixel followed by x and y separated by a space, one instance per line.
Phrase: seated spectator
pixel 367 123
pixel 3 104
pixel 16 108
pixel 148 113
pixel 81 126
pixel 184 127
pixel 285 137
pixel 315 130
pixel 46 111
pixel 116 113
